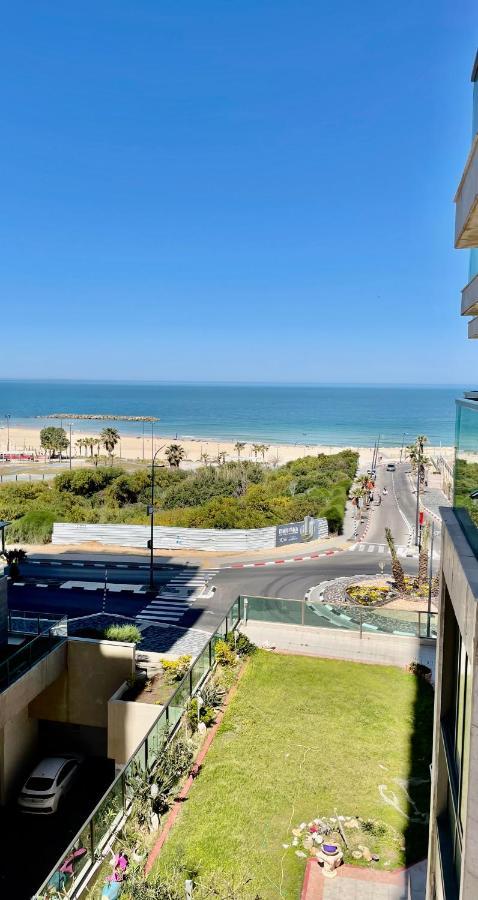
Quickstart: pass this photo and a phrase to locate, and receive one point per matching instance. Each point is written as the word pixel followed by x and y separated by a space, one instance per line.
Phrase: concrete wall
pixel 93 673
pixel 18 743
pixel 18 730
pixel 383 649
pixel 459 579
pixel 128 724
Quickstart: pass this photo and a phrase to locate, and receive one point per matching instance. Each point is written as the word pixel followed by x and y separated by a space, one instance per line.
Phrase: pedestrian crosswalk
pixel 409 551
pixel 176 596
pixel 364 547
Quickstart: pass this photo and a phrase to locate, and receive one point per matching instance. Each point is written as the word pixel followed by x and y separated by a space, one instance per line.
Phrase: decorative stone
pixel 295 841
pixel 366 854
pixel 357 854
pixel 297 832
pixel 300 854
pixel 375 858
pixel 308 843
pixel 286 846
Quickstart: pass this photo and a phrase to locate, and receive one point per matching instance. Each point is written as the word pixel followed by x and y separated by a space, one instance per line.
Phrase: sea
pixel 343 415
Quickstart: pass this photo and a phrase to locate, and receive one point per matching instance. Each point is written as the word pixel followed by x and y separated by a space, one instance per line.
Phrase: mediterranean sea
pixel 321 414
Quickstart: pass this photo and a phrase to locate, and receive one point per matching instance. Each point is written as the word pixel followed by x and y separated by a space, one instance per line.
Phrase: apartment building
pixel 453 847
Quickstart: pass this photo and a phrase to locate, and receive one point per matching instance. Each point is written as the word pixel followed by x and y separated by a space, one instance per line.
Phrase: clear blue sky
pixel 257 190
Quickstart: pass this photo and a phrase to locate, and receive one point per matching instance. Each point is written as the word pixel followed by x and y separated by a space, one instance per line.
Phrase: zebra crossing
pixel 176 596
pixel 364 547
pixel 410 552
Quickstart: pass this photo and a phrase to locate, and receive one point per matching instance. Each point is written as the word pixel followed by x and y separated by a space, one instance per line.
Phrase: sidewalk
pixel 431 496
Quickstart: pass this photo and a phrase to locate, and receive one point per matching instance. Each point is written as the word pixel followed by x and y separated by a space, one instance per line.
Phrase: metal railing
pixel 115 804
pixel 22 621
pixel 343 617
pixel 19 662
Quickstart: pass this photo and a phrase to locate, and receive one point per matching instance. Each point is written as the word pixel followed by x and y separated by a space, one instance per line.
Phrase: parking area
pixel 32 844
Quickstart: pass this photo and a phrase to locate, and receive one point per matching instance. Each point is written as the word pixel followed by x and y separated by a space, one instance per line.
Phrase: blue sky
pixel 256 191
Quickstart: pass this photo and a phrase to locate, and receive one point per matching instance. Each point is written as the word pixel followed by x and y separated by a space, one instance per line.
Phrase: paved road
pixel 76 586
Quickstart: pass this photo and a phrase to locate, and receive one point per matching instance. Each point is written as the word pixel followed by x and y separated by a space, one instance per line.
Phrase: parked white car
pixel 48 783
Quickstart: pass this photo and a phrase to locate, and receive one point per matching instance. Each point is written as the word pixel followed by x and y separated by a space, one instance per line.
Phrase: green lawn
pixel 302 738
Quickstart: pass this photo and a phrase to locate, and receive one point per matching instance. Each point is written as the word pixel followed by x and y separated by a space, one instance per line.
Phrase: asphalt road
pixel 289 580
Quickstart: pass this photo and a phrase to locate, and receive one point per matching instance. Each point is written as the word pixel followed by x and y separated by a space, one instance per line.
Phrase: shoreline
pixel 136 448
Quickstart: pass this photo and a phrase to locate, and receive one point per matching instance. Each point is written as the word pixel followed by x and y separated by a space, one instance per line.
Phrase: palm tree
pixel 205 457
pixel 423 555
pixel 109 437
pixel 239 447
pixel 80 443
pixel 174 454
pixel 416 455
pixel 221 457
pixel 264 449
pixel 256 448
pixel 397 570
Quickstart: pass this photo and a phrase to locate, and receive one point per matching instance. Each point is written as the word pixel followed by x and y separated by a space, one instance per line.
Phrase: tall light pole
pixel 403 444
pixel 151 513
pixel 417 513
pixel 71 449
pixel 430 579
pixel 8 417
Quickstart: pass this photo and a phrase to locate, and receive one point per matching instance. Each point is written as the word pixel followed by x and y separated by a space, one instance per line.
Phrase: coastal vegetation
pixel 238 494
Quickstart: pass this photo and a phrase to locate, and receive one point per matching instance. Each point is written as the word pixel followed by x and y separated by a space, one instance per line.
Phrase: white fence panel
pixel 166 538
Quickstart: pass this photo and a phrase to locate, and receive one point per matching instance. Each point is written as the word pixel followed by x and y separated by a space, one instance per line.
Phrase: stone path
pixel 353 883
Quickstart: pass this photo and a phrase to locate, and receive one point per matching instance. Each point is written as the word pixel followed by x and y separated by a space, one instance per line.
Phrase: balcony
pixel 466 199
pixel 466 468
pixel 473 328
pixel 469 298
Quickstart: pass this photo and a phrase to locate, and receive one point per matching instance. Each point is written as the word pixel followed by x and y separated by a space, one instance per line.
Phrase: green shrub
pixel 206 714
pixel 86 482
pixel 240 643
pixel 129 634
pixel 175 669
pixel 223 654
pixel 35 527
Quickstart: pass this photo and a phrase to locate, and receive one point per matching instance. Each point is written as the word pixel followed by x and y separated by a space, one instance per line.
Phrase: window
pixel 66 771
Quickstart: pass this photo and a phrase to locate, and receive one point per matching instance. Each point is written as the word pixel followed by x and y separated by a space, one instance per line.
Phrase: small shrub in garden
pixel 213 692
pixel 130 634
pixel 223 653
pixel 175 669
pixel 419 669
pixel 206 715
pixel 240 643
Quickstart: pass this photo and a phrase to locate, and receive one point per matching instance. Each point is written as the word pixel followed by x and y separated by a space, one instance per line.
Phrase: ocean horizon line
pixel 281 384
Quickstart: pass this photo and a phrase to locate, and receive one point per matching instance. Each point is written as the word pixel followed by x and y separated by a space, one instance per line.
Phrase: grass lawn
pixel 302 738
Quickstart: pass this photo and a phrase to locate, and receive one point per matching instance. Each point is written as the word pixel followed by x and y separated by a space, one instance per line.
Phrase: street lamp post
pixel 403 444
pixel 151 512
pixel 8 417
pixel 417 512
pixel 71 449
pixel 430 580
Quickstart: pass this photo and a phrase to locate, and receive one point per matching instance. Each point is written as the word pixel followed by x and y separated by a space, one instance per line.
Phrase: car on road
pixel 50 780
pixel 391 467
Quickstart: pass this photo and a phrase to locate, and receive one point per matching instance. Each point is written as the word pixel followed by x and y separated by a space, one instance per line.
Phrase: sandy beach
pixel 132 448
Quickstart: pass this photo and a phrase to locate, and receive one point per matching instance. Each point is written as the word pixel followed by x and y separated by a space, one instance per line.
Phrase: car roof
pixel 49 767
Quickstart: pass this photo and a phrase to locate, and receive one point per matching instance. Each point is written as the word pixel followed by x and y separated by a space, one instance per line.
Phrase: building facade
pixel 453 846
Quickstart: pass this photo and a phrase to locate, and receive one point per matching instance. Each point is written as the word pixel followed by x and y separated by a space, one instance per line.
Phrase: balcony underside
pixel 469 298
pixel 473 328
pixel 466 199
